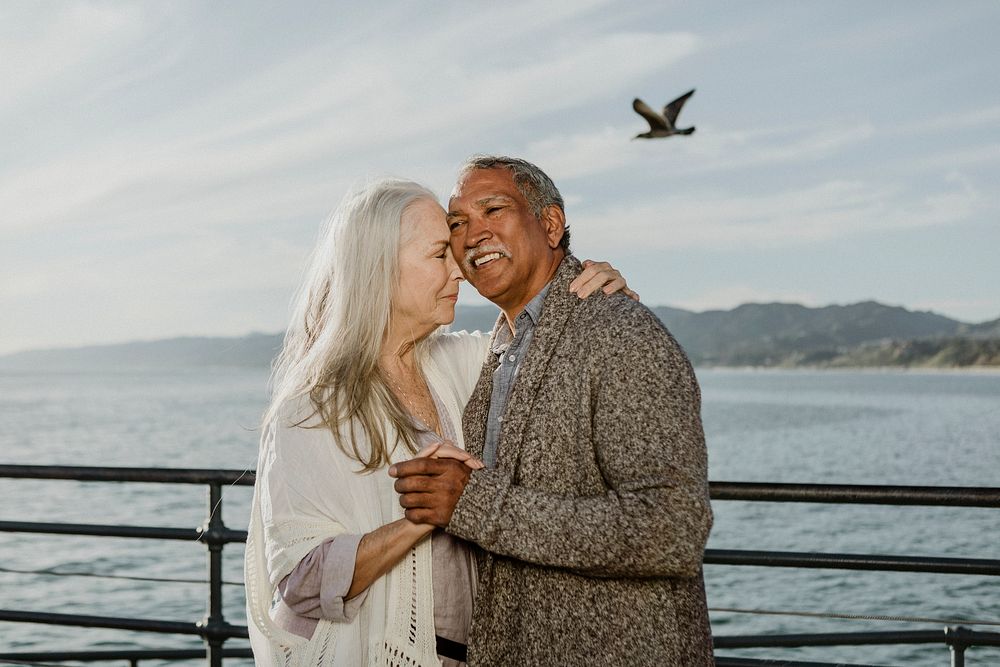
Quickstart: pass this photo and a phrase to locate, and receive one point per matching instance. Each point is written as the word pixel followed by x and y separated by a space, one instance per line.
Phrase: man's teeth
pixel 487 258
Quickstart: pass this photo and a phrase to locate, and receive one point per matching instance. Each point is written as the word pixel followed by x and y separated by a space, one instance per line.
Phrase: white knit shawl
pixel 308 491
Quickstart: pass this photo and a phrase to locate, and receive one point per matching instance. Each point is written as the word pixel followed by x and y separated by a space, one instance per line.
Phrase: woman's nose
pixel 455 271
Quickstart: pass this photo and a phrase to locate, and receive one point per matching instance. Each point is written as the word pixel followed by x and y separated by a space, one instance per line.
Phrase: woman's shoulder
pixel 299 434
pixel 458 357
pixel 452 344
pixel 297 411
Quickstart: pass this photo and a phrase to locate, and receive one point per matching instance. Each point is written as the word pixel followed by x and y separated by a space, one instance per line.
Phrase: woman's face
pixel 427 290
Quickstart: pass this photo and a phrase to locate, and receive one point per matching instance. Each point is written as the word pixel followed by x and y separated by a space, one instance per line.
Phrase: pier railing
pixel 214 535
pixel 956 637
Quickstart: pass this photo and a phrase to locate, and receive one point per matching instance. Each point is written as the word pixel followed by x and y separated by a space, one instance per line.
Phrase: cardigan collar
pixel 557 305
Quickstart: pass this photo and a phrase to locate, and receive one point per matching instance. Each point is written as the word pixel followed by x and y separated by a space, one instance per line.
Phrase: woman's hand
pixel 446 450
pixel 598 275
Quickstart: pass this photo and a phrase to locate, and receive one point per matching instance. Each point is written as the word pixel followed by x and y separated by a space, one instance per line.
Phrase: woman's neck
pixel 397 351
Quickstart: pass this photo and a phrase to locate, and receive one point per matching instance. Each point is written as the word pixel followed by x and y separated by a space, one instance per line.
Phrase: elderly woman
pixel 335 574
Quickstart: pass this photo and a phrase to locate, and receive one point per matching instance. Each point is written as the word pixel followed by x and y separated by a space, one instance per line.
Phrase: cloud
pixel 244 138
pixel 171 148
pixel 964 157
pixel 202 284
pixel 714 150
pixel 730 296
pixel 585 153
pixel 988 116
pixel 56 41
pixel 821 212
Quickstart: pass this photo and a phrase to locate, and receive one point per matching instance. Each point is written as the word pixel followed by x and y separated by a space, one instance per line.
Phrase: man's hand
pixel 430 488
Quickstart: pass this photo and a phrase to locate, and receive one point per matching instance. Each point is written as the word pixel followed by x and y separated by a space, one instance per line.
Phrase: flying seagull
pixel 662 126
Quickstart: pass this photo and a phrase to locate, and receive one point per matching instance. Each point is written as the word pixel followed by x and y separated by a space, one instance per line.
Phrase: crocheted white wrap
pixel 308 491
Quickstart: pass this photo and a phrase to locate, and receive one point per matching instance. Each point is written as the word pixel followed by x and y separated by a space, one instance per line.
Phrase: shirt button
pixel 511 358
pixel 500 419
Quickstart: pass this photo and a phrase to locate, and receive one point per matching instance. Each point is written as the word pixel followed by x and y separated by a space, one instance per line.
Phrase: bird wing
pixel 655 120
pixel 672 110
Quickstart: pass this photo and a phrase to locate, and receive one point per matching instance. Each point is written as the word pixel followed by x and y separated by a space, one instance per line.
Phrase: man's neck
pixel 511 313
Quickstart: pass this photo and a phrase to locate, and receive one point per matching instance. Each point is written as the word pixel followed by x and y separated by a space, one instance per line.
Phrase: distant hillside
pixel 984 330
pixel 777 334
pixel 927 353
pixel 772 334
pixel 253 350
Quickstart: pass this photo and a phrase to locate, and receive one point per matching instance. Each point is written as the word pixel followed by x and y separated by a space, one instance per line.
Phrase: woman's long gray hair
pixel 341 317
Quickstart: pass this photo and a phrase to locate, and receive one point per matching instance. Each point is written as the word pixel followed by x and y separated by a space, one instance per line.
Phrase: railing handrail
pixel 156 625
pixel 872 494
pixel 132 655
pixel 126 474
pixel 107 530
pixel 863 494
pixel 949 636
pixel 841 561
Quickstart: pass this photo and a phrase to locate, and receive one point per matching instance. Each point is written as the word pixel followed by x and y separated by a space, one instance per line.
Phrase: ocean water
pixel 781 426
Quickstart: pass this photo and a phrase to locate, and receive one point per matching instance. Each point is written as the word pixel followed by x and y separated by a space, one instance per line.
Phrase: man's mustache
pixel 479 251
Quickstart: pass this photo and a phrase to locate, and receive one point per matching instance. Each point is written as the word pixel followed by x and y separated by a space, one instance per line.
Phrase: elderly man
pixel 593 510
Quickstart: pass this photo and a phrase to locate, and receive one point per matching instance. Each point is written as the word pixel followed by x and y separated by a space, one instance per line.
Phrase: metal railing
pixel 215 630
pixel 213 533
pixel 957 638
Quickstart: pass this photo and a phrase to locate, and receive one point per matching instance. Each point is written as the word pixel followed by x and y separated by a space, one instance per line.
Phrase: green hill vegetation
pixel 933 353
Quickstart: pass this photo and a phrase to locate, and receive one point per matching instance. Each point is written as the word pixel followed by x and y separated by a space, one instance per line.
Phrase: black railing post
pixel 213 535
pixel 956 637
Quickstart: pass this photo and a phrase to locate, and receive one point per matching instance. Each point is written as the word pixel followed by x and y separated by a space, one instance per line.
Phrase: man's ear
pixel 554 222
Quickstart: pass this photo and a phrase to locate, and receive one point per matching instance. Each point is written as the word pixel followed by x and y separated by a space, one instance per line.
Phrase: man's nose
pixel 478 231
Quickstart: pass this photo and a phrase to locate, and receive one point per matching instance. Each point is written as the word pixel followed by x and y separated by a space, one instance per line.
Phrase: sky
pixel 166 168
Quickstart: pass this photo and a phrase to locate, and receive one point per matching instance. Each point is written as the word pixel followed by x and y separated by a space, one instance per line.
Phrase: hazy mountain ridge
pixel 783 334
pixel 771 334
pixel 253 350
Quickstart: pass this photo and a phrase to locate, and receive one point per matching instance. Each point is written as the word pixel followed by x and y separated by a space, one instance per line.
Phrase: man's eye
pixel 493 209
pixel 442 255
pixel 453 225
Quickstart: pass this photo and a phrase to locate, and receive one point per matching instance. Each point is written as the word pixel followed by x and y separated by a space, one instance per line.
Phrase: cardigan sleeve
pixel 648 441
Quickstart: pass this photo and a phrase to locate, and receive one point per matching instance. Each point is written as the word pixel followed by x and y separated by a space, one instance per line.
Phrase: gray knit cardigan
pixel 593 523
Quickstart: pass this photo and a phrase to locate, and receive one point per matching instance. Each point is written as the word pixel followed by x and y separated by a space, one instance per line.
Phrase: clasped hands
pixel 430 484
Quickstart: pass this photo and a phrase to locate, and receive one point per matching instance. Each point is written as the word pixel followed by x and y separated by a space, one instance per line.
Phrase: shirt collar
pixel 533 311
pixel 534 307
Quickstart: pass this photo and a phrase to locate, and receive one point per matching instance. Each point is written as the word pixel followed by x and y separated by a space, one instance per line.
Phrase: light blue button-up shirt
pixel 509 349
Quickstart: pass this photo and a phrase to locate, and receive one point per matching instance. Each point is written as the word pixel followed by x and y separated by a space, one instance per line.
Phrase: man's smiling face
pixel 501 247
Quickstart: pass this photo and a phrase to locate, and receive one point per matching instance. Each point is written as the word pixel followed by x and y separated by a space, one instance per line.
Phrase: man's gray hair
pixel 533 184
